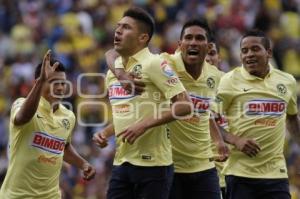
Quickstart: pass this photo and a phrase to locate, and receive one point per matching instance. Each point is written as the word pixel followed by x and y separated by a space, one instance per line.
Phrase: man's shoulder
pixel 152 58
pixel 67 112
pixel 213 70
pixel 168 56
pixel 281 75
pixel 153 61
pixel 233 74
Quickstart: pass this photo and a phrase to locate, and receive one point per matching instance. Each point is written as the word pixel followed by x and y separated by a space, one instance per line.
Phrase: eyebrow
pixel 55 79
pixel 124 23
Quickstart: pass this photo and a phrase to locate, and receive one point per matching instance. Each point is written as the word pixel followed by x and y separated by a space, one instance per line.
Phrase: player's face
pixel 254 56
pixel 212 56
pixel 55 87
pixel 126 36
pixel 193 45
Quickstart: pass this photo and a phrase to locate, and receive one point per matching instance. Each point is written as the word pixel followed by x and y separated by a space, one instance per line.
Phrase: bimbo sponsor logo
pixel 117 92
pixel 48 143
pixel 201 104
pixel 265 107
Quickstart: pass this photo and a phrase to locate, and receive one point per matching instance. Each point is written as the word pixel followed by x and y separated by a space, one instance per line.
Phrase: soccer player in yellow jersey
pixel 195 173
pixel 39 138
pixel 143 160
pixel 259 102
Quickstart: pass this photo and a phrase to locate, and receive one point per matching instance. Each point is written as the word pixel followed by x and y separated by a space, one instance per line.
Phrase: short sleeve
pixel 292 108
pixel 164 77
pixel 16 107
pixel 72 127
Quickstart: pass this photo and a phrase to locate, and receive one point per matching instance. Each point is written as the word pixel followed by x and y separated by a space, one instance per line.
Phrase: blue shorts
pixel 199 185
pixel 138 182
pixel 253 188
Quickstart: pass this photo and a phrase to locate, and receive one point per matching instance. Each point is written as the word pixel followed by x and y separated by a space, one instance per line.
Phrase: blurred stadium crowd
pixel 80 31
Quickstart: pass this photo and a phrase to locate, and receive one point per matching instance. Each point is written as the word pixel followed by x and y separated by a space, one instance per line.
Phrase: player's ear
pixel 179 42
pixel 144 37
pixel 269 51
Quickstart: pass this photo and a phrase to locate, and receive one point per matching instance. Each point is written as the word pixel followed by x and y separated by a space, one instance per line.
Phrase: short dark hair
pixel 214 41
pixel 144 18
pixel 202 23
pixel 60 68
pixel 258 33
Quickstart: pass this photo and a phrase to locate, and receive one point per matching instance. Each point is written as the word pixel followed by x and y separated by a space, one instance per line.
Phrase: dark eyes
pixel 212 53
pixel 124 26
pixel 244 50
pixel 197 37
pixel 253 49
pixel 55 82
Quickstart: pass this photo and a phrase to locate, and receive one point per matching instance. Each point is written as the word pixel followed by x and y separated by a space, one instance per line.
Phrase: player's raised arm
pixel 31 102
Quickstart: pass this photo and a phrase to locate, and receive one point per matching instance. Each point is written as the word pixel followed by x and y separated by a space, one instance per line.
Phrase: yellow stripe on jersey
pixel 153 148
pixel 36 152
pixel 191 142
pixel 256 108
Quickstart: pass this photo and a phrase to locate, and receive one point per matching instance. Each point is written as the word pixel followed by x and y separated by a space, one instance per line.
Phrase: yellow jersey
pixel 190 138
pixel 256 108
pixel 153 148
pixel 36 152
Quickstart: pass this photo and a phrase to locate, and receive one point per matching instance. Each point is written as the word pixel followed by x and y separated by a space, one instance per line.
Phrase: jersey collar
pixel 138 57
pixel 141 55
pixel 248 76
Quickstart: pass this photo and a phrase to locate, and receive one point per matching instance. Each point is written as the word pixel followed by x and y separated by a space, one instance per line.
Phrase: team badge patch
pixel 66 124
pixel 210 82
pixel 218 100
pixel 137 70
pixel 281 89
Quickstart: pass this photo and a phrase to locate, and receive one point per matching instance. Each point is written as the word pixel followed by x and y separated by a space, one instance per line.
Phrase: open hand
pixel 132 133
pixel 247 146
pixel 130 82
pixel 47 69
